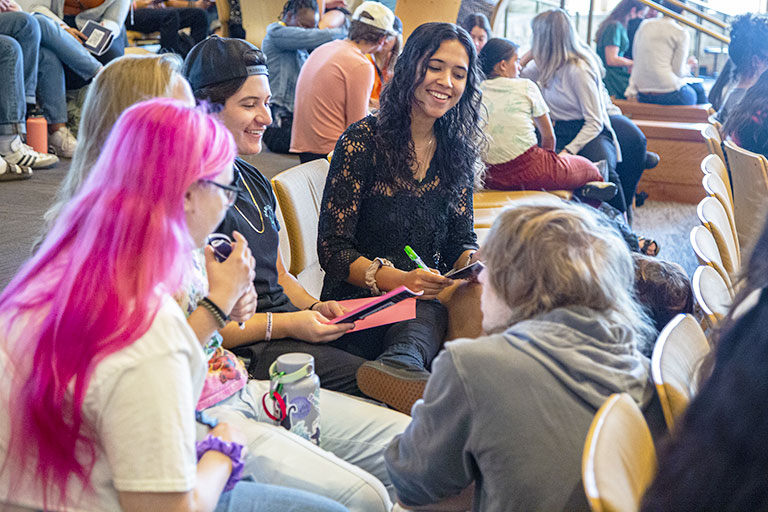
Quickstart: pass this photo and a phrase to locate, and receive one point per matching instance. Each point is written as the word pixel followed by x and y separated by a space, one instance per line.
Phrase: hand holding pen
pixel 423 278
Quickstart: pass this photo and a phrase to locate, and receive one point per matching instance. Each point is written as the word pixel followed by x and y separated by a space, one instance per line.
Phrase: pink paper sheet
pixel 403 310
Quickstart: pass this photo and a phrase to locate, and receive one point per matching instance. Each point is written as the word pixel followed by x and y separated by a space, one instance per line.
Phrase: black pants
pixel 413 342
pixel 277 136
pixel 633 148
pixel 169 21
pixel 599 148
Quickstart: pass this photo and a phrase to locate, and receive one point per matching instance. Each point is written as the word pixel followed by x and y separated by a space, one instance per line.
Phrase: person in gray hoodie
pixel 510 411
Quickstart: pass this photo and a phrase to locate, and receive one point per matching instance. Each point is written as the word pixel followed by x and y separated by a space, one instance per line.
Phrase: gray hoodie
pixel 511 412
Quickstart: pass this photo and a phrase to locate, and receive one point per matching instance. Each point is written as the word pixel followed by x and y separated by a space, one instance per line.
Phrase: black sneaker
pixel 651 160
pixel 395 385
pixel 598 191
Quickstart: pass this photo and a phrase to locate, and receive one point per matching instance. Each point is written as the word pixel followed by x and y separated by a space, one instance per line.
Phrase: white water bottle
pixel 295 389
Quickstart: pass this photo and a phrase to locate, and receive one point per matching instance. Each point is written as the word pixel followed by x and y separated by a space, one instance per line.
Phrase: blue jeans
pixel 254 497
pixel 19 46
pixel 59 49
pixel 689 94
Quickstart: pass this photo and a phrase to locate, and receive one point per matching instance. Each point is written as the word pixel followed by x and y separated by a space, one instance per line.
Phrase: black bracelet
pixel 221 318
pixel 313 305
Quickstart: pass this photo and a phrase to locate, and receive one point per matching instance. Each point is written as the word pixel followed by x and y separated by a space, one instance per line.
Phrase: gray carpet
pixel 23 203
pixel 669 224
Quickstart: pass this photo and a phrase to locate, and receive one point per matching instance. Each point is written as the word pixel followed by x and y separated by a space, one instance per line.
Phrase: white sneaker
pixel 25 156
pixel 12 172
pixel 62 142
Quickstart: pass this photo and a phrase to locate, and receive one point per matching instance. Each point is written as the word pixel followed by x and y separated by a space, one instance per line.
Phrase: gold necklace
pixel 258 209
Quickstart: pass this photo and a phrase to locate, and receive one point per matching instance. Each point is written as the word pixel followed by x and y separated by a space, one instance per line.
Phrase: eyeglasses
pixel 230 191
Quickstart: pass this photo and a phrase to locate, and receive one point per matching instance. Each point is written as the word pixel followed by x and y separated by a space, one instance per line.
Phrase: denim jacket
pixel 286 49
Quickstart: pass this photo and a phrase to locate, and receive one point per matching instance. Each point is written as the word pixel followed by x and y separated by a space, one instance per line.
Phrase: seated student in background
pixel 479 29
pixel 569 75
pixel 510 411
pixel 633 24
pixel 120 84
pixel 612 43
pixel 123 409
pixel 384 61
pixel 748 51
pixel 286 46
pixel 335 83
pixel 279 457
pixel 586 122
pixel 747 123
pixel 111 14
pixel 405 177
pixel 515 110
pixel 168 17
pixel 661 66
pixel 717 458
pixel 61 53
pixel 19 45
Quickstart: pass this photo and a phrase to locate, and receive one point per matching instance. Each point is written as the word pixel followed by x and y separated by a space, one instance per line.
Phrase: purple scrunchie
pixel 232 450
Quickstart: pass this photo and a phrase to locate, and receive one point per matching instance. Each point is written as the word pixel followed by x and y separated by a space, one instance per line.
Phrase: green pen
pixel 415 258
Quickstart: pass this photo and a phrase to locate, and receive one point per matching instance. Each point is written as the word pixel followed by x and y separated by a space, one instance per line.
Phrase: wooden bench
pixel 672 113
pixel 681 148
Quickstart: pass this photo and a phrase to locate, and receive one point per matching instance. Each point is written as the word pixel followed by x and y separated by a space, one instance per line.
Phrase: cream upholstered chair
pixel 713 217
pixel 749 174
pixel 715 187
pixel 619 459
pixel 705 248
pixel 712 294
pixel 675 362
pixel 299 191
pixel 714 164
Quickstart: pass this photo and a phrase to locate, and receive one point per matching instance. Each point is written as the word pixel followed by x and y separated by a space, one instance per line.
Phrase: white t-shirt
pixel 659 52
pixel 512 103
pixel 141 401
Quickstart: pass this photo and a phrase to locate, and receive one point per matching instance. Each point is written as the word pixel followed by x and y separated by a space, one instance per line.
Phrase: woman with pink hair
pixel 97 362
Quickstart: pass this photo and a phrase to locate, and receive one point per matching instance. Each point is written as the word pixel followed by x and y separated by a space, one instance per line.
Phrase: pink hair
pixel 97 281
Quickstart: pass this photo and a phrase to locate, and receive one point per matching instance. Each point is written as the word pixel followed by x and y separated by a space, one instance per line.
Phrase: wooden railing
pixel 685 21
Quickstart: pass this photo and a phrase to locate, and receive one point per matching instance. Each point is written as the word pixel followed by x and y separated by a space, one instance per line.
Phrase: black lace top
pixel 362 215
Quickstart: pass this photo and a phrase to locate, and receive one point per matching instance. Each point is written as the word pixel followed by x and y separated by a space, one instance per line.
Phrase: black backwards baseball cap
pixel 219 59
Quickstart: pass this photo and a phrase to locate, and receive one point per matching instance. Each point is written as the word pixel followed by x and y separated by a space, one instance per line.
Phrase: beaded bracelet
pixel 222 319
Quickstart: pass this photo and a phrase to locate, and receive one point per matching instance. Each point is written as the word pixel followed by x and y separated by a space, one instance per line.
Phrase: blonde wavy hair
pixel 547 255
pixel 122 83
pixel 556 44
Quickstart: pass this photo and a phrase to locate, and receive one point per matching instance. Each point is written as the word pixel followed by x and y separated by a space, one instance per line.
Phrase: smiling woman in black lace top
pixel 398 179
pixel 405 176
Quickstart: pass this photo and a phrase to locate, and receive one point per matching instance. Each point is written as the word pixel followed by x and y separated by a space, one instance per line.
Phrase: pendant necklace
pixel 258 209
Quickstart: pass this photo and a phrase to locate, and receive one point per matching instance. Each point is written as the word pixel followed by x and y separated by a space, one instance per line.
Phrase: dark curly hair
pixel 749 38
pixel 294 6
pixel 748 121
pixel 717 457
pixel 458 132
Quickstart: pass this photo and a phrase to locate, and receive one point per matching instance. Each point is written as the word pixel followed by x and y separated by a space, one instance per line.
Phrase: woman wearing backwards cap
pixel 231 75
